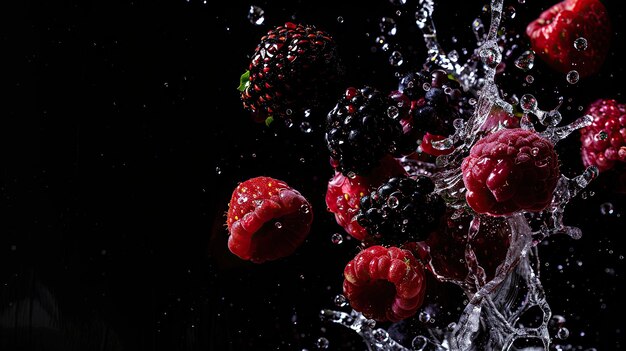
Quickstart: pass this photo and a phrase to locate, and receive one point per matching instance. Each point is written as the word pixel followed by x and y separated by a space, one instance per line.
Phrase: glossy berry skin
pixel 385 284
pixel 510 170
pixel 293 68
pixel 267 220
pixel 343 194
pixel 604 141
pixel 402 209
pixel 552 36
pixel 361 129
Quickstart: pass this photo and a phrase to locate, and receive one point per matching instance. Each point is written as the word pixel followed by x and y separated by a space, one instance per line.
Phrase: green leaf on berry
pixel 244 81
pixel 269 120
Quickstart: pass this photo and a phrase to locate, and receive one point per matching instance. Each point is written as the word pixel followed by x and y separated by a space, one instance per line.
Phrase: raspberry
pixel 385 284
pixel 604 141
pixel 510 170
pixel 267 220
pixel 344 194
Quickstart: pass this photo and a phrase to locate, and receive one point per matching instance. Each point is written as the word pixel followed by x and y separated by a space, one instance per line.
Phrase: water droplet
pixel 478 28
pixel 388 26
pixel 218 170
pixel 304 208
pixel 341 301
pixel 491 56
pixel 256 15
pixel 380 335
pixel 426 86
pixel 606 208
pixel 336 239
pixel 322 343
pixel 393 201
pixel 421 16
pixel 472 101
pixel 419 343
pixel 242 199
pixel 572 77
pixel 396 59
pixel 563 333
pixel 580 44
pixel 530 79
pixel 525 61
pixel 339 19
pixel 528 103
pixel 278 225
pixel 351 175
pixel 393 112
pixel 398 2
pixel 424 317
pixel 380 40
pixel 521 1
pixel 453 56
pixel 305 127
pixel 307 113
pixel 509 12
pixel 534 151
pixel 288 112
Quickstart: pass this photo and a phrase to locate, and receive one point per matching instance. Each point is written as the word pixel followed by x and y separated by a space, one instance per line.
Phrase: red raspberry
pixel 267 220
pixel 604 141
pixel 385 284
pixel 552 36
pixel 510 170
pixel 344 194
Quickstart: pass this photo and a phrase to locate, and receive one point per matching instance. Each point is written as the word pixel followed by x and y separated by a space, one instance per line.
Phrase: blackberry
pixel 295 67
pixel 361 129
pixel 402 209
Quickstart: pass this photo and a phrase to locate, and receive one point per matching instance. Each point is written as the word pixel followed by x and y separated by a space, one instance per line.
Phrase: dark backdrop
pixel 123 136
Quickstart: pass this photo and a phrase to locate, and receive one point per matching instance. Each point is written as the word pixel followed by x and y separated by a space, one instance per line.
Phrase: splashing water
pixel 490 319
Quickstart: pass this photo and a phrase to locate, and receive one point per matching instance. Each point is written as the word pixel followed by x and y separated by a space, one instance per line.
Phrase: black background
pixel 123 137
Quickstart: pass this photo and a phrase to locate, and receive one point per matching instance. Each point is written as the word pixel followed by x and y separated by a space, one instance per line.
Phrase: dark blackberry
pixel 402 209
pixel 361 129
pixel 293 68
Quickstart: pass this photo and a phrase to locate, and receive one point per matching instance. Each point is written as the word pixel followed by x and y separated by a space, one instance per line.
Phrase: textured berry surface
pixel 293 68
pixel 510 170
pixel 385 284
pixel 552 36
pixel 361 129
pixel 267 220
pixel 343 195
pixel 445 248
pixel 401 209
pixel 604 141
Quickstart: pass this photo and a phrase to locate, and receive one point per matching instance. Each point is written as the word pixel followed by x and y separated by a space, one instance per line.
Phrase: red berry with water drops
pixel 295 67
pixel 510 170
pixel 267 219
pixel 385 284
pixel 344 194
pixel 572 35
pixel 604 141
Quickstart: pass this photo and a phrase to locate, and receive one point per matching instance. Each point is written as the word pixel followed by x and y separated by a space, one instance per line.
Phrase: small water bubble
pixel 304 208
pixel 424 317
pixel 396 59
pixel 572 76
pixel 534 151
pixel 528 102
pixel 509 12
pixel 340 19
pixel 580 44
pixel 380 335
pixel 381 40
pixel 426 86
pixel 388 26
pixel 393 112
pixel 322 343
pixel 525 61
pixel 530 79
pixel 563 333
pixel 278 225
pixel 421 16
pixel 521 1
pixel 393 201
pixel 472 101
pixel 351 175
pixel 370 323
pixel 256 15
pixel 218 170
pixel 336 238
pixel 307 113
pixel 398 2
pixel 306 127
pixel 419 343
pixel 453 56
pixel 491 56
pixel 606 208
pixel 340 301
